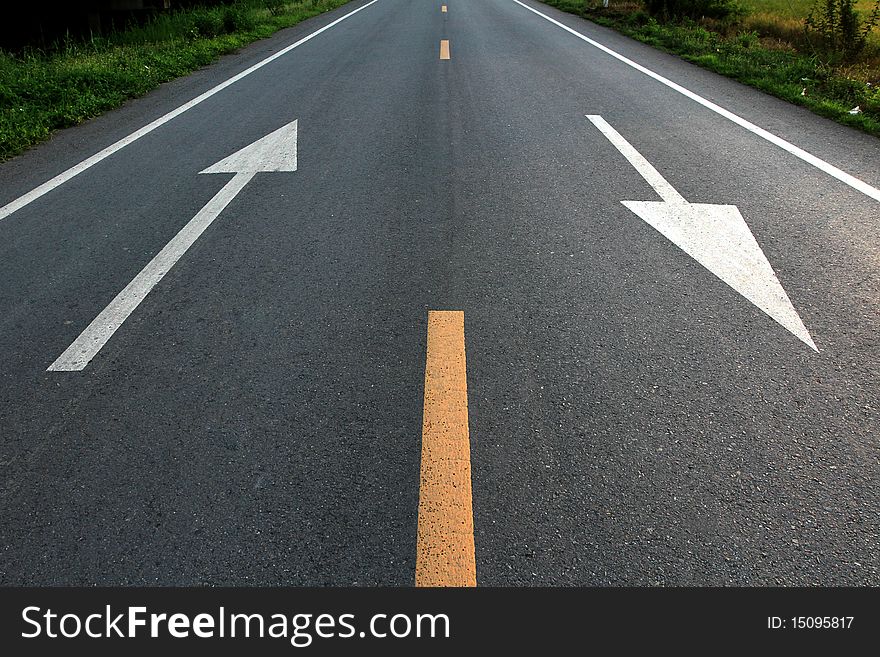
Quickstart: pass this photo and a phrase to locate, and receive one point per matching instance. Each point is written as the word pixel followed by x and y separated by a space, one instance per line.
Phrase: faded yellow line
pixel 445 541
pixel 444 49
pixel 443 8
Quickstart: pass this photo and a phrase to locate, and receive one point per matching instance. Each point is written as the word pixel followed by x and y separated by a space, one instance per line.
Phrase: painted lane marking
pixel 812 160
pixel 79 354
pixel 443 8
pixel 716 236
pixel 77 169
pixel 445 542
pixel 274 152
pixel 659 184
pixel 444 49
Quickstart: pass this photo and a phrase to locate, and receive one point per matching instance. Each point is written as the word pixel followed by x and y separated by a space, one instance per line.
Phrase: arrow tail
pixel 79 354
pixel 646 170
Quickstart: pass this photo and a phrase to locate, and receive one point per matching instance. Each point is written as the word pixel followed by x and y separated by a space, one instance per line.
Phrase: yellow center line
pixel 445 541
pixel 443 8
pixel 444 49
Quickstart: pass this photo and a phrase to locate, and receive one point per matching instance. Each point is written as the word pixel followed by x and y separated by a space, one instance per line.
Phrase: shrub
pixel 694 9
pixel 837 27
pixel 275 7
pixel 237 19
pixel 206 24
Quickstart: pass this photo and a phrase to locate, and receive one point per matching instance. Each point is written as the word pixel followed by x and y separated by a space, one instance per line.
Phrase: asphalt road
pixel 258 418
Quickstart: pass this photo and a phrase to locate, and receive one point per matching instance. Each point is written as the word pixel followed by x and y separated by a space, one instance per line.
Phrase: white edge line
pixel 77 169
pixel 80 353
pixel 809 158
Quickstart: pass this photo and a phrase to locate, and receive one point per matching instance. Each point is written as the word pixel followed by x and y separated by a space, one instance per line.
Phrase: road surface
pixel 681 389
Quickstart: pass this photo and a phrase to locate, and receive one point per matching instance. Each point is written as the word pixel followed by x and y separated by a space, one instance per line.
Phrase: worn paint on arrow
pixel 716 236
pixel 274 152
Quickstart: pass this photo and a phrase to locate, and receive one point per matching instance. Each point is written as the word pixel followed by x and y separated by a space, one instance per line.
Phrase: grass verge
pixel 43 91
pixel 760 59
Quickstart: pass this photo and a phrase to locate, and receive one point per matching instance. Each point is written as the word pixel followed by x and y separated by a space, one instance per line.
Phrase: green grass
pixel 794 8
pixel 788 69
pixel 44 91
pixel 784 20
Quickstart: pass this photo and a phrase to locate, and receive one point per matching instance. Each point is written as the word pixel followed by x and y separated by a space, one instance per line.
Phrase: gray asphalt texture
pixel 257 420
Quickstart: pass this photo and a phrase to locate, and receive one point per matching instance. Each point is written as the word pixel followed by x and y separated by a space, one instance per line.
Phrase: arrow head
pixel 718 238
pixel 274 152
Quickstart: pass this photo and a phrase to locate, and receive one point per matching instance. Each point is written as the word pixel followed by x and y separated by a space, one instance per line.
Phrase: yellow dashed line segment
pixel 444 49
pixel 445 541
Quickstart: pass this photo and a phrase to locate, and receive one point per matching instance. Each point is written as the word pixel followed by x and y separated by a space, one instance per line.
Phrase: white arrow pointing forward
pixel 274 152
pixel 716 236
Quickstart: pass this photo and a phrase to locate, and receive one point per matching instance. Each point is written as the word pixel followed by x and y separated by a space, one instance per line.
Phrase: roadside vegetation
pixel 42 90
pixel 823 54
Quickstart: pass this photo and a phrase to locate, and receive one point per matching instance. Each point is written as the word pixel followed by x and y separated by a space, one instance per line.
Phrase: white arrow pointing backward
pixel 274 152
pixel 716 236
